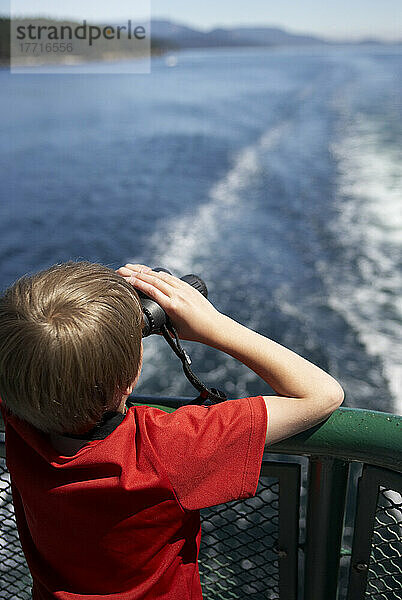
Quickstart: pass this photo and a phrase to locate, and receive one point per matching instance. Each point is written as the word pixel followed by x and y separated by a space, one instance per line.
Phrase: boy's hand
pixel 191 313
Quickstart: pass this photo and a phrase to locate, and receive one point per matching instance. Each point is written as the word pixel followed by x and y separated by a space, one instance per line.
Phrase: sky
pixel 346 19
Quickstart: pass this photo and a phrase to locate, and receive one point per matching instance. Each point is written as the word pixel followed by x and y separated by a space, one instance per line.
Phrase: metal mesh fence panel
pixel 238 555
pixel 15 579
pixel 384 581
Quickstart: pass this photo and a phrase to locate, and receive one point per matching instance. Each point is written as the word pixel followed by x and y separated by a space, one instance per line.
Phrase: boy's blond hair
pixel 70 345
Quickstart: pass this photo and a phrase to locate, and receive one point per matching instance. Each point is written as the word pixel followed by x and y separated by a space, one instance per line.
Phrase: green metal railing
pixel 325 524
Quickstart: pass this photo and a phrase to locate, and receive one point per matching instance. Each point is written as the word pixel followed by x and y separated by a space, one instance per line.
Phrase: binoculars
pixel 154 315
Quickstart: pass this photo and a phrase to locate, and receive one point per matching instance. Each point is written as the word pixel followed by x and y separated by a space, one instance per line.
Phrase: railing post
pixel 325 511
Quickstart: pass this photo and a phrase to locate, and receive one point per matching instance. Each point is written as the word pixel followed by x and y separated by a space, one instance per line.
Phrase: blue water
pixel 274 174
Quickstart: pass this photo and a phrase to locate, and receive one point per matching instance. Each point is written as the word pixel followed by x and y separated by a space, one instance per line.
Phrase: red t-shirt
pixel 120 518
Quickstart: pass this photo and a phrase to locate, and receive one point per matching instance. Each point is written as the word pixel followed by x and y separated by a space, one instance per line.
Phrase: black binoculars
pixel 154 315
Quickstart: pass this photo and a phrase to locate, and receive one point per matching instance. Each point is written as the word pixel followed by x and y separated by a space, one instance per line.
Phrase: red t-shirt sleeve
pixel 210 455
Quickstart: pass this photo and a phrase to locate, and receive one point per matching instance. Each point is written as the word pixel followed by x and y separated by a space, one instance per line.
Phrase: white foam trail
pixel 370 228
pixel 184 243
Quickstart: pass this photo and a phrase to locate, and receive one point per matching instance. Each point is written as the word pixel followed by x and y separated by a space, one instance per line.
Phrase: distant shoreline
pixel 167 37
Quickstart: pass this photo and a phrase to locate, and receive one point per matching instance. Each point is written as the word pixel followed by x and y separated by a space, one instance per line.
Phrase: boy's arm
pixel 307 395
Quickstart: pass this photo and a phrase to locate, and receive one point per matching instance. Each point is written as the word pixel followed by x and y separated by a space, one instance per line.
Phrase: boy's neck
pixel 122 407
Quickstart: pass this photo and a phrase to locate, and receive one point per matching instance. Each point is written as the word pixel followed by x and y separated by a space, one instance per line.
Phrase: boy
pixel 107 499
